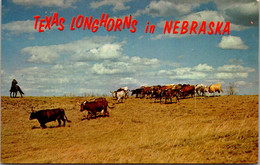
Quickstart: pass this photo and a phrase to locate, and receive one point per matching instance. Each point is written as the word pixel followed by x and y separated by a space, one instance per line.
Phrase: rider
pixel 14 84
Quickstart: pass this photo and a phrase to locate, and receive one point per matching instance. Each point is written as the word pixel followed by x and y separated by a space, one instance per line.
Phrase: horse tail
pixel 19 89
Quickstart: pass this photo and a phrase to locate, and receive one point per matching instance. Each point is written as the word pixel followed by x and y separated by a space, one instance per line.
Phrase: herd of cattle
pixel 101 104
pixel 167 91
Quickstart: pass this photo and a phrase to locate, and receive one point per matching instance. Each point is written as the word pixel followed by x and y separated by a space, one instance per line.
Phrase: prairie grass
pixel 196 130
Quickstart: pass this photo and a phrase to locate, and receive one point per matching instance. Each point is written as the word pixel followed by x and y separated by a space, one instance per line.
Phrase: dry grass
pixel 202 130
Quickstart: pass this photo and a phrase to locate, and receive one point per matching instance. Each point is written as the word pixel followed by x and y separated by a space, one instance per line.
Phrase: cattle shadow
pixel 97 116
pixel 35 127
pixel 163 102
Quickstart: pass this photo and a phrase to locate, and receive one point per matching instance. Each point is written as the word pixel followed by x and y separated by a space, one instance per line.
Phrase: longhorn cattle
pixel 215 88
pixel 200 89
pixel 48 115
pixel 187 89
pixel 121 95
pixel 146 90
pixel 95 106
pixel 169 93
pixel 136 92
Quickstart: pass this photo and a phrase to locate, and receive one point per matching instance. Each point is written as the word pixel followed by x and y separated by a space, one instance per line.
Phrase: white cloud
pixel 48 3
pixel 203 68
pixel 232 42
pixel 164 8
pixel 106 51
pixel 110 68
pixel 241 83
pixel 88 48
pixel 202 71
pixel 235 68
pixel 18 27
pixel 117 4
pixel 226 75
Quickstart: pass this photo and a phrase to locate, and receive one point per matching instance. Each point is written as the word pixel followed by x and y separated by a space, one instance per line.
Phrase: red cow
pixel 95 106
pixel 187 89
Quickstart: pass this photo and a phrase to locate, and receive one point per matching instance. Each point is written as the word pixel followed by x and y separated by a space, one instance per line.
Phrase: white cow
pixel 120 95
pixel 201 89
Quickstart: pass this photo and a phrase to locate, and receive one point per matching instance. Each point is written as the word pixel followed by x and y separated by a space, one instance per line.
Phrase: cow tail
pixel 67 119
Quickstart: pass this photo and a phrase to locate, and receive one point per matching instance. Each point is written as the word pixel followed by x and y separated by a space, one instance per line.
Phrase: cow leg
pixel 64 122
pixel 105 111
pixel 59 122
pixel 88 116
pixel 177 99
pixel 95 113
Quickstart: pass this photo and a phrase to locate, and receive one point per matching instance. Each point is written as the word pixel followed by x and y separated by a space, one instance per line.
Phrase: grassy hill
pixel 196 130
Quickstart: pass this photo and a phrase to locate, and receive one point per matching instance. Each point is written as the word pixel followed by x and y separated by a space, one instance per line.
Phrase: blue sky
pixel 54 63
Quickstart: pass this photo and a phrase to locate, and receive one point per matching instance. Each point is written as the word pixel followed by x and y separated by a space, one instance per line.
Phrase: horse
pixel 14 89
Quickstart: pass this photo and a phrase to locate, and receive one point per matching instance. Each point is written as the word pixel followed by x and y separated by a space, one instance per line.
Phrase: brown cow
pixel 146 90
pixel 95 106
pixel 45 116
pixel 169 93
pixel 187 89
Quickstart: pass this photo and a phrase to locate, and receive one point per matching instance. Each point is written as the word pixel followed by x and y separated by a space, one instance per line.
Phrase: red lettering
pixel 108 24
pixel 202 27
pixel 184 27
pixel 211 24
pixel 48 20
pixel 167 27
pixel 102 20
pixel 226 28
pixel 127 22
pixel 72 23
pixel 41 25
pixel 194 24
pixel 80 18
pixel 36 21
pixel 94 25
pixel 62 20
pixel 88 23
pixel 218 27
pixel 134 23
pixel 55 19
pixel 175 26
pixel 118 23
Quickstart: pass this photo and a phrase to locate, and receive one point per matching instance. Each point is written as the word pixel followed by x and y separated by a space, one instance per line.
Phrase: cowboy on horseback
pixel 15 88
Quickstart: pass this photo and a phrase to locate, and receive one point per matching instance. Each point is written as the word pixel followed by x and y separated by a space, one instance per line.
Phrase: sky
pixel 78 62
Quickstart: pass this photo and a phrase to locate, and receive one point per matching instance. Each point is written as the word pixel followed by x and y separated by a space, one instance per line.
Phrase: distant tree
pixel 231 89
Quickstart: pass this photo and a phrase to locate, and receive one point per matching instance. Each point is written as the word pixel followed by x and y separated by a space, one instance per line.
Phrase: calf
pixel 48 115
